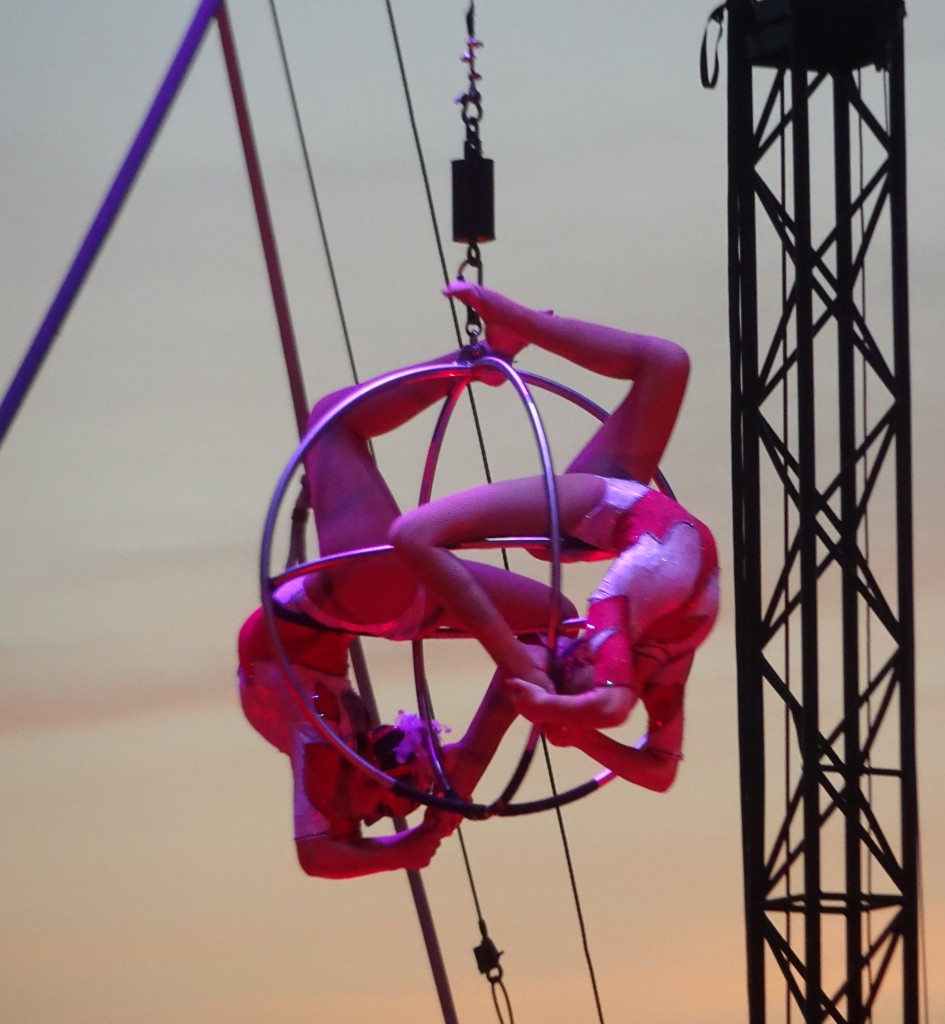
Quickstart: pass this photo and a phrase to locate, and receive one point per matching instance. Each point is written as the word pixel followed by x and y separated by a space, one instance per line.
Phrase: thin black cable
pixel 340 307
pixel 469 874
pixel 327 248
pixel 418 145
pixel 436 232
pixel 499 986
pixel 395 38
pixel 487 955
pixel 314 191
pixel 573 879
pixel 485 462
pixel 495 976
pixel 496 979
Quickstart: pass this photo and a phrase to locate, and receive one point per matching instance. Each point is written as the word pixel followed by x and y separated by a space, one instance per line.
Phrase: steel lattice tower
pixel 821 456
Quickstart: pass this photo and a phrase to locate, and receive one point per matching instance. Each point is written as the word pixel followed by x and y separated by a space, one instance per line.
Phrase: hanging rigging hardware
pixel 709 76
pixel 473 182
pixel 474 324
pixel 487 955
pixel 487 960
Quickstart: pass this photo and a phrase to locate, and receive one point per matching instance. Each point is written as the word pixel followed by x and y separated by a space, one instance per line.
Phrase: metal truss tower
pixel 821 455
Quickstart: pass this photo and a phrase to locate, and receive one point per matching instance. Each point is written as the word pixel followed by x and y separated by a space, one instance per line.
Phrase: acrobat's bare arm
pixel 352 857
pixel 333 847
pixel 468 758
pixel 651 763
pixel 641 765
pixel 421 538
pixel 599 708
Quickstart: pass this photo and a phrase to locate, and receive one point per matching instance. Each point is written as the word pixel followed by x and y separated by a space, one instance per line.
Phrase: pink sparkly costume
pixel 271 709
pixel 316 643
pixel 320 660
pixel 293 604
pixel 659 599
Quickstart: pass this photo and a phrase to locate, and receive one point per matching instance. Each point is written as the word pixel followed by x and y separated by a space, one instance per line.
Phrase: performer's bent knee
pixel 328 402
pixel 410 533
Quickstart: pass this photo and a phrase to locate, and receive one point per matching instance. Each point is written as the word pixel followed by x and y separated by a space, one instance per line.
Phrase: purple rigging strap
pixel 106 216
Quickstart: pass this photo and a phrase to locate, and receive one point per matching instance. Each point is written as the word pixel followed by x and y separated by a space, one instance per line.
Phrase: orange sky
pixel 148 868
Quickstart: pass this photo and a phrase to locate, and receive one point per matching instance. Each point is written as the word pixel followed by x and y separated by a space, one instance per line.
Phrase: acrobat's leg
pixel 632 440
pixel 517 507
pixel 469 758
pixel 352 503
pixel 513 506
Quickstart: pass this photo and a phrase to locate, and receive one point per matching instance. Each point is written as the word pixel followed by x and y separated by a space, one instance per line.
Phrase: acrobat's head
pixel 599 654
pixel 341 789
pixel 574 665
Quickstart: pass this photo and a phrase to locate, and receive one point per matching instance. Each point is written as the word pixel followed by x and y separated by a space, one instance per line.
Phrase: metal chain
pixel 473 320
pixel 472 98
pixel 471 112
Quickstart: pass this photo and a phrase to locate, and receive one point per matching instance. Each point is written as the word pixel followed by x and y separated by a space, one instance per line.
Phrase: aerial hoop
pixel 466 371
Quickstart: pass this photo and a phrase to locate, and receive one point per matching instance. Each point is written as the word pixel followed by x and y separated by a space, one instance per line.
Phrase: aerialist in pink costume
pixel 318 618
pixel 659 599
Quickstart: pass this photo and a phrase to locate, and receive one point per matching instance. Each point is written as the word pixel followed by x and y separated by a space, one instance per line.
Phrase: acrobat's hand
pixel 564 735
pixel 507 323
pixel 529 699
pixel 415 847
pixel 441 823
pixel 464 766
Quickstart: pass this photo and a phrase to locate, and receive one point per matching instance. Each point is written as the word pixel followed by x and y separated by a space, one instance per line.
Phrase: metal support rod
pixel 415 879
pixel 807 511
pixel 105 217
pixel 301 408
pixel 846 342
pixel 909 812
pixel 428 930
pixel 746 525
pixel 88 252
pixel 266 234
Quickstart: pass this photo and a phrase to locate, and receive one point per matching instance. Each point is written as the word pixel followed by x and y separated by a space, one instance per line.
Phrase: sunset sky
pixel 147 861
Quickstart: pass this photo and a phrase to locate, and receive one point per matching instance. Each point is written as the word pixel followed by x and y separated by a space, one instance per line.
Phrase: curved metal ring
pixel 582 402
pixel 267 586
pixel 268 583
pixel 554 540
pixel 503 805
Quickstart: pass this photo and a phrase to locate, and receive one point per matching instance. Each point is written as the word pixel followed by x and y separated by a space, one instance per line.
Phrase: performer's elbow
pixel 662 773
